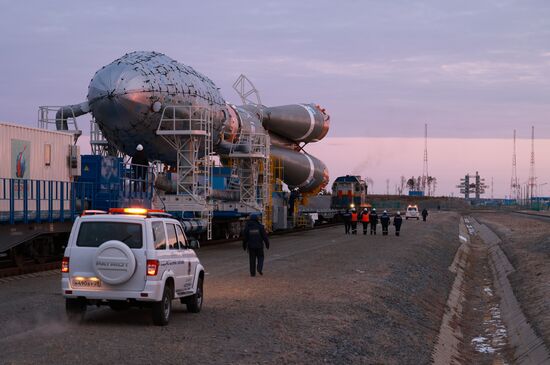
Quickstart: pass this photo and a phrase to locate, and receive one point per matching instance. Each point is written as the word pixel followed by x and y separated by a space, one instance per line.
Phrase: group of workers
pixel 352 218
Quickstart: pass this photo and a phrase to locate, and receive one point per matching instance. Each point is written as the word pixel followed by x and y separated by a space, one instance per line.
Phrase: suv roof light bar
pixel 140 211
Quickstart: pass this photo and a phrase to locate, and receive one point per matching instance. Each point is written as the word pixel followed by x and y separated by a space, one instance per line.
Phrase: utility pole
pixel 387 186
pixel 532 178
pixel 492 185
pixel 514 183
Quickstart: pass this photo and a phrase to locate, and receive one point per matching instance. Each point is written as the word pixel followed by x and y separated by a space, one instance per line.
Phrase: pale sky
pixel 470 69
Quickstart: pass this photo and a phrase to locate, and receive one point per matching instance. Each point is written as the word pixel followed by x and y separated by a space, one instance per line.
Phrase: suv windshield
pixel 93 234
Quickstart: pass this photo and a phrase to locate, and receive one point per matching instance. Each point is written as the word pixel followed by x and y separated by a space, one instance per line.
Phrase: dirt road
pixel 325 298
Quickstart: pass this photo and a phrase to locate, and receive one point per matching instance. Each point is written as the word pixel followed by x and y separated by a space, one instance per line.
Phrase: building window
pixel 47 154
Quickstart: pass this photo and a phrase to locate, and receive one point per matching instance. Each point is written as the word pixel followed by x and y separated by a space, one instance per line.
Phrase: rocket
pixel 127 98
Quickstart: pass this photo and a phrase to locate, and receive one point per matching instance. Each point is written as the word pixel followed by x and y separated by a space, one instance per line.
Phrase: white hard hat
pixel 398 213
pixel 139 147
pixel 385 211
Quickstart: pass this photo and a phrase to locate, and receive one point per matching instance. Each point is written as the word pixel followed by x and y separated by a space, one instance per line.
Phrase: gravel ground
pixel 526 242
pixel 325 298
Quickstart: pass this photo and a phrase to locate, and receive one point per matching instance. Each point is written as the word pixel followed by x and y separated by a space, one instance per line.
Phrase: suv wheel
pixel 75 309
pixel 162 309
pixel 194 302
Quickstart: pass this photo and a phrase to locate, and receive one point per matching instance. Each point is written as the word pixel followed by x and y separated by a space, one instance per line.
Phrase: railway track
pixel 29 267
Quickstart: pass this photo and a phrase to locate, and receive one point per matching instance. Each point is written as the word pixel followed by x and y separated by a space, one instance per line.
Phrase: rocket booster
pixel 127 98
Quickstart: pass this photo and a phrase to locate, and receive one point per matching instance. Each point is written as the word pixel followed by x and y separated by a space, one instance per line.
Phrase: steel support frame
pixel 188 129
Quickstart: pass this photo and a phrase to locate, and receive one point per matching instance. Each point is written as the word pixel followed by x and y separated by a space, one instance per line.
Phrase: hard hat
pixel 353 209
pixel 255 216
pixel 139 147
pixel 398 213
pixel 385 211
pixel 374 209
pixel 365 209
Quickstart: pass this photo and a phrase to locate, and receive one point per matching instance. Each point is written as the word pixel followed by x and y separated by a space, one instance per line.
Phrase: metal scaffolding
pixel 249 158
pixel 99 144
pixel 66 123
pixel 188 129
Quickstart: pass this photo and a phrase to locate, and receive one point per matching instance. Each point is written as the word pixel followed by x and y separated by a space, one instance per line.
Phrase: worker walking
pixel 397 220
pixel 354 219
pixel 385 222
pixel 373 219
pixel 365 220
pixel 346 216
pixel 254 237
pixel 424 214
pixel 140 165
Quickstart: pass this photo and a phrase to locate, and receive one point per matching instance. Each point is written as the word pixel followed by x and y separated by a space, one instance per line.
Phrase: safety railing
pixel 39 201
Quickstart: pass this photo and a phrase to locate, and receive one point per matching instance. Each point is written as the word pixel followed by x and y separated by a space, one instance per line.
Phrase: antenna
pixel 514 183
pixel 532 183
pixel 425 167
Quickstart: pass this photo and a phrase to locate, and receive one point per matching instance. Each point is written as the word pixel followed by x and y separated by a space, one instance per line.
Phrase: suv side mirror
pixel 194 243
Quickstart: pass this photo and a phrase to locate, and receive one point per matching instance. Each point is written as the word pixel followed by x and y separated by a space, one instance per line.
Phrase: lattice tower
pixel 425 175
pixel 514 183
pixel 532 177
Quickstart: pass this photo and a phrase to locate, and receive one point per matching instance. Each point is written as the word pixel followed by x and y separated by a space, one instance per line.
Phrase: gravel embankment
pixel 526 242
pixel 325 298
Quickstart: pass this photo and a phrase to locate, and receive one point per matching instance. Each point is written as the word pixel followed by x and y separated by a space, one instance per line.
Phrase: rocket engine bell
pixel 128 96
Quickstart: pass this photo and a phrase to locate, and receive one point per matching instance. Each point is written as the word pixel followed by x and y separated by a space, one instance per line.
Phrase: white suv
pixel 412 212
pixel 130 257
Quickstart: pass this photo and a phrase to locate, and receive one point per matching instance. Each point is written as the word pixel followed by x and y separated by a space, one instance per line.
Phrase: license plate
pixel 85 283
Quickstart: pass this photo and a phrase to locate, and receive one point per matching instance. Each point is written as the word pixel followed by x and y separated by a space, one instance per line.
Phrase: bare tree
pixel 411 183
pixel 403 183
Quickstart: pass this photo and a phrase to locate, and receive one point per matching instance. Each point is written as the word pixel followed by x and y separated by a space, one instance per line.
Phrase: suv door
pixel 176 263
pixel 189 257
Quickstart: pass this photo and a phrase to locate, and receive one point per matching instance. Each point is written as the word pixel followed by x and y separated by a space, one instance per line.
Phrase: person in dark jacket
pixel 254 237
pixel 424 214
pixel 365 220
pixel 385 222
pixel 354 220
pixel 346 216
pixel 397 221
pixel 373 219
pixel 140 163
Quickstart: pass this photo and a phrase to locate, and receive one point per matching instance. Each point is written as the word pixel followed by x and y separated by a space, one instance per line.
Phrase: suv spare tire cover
pixel 114 262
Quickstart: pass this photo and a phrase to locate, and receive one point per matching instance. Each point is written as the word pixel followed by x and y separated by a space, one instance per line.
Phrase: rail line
pixel 31 267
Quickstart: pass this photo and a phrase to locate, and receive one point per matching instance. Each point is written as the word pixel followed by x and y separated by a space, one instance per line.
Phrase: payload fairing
pixel 127 98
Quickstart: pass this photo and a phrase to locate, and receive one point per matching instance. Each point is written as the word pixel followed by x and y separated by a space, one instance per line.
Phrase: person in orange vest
pixel 354 219
pixel 365 220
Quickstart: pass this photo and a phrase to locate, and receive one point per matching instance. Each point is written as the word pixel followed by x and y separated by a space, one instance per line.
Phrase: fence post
pixel 12 202
pixel 50 201
pixel 25 202
pixel 61 202
pixel 38 217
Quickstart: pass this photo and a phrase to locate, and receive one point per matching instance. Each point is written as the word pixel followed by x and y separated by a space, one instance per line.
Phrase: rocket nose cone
pixel 115 79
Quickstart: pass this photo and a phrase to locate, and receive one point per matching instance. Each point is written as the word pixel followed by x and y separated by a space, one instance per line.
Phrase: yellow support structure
pixel 275 185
